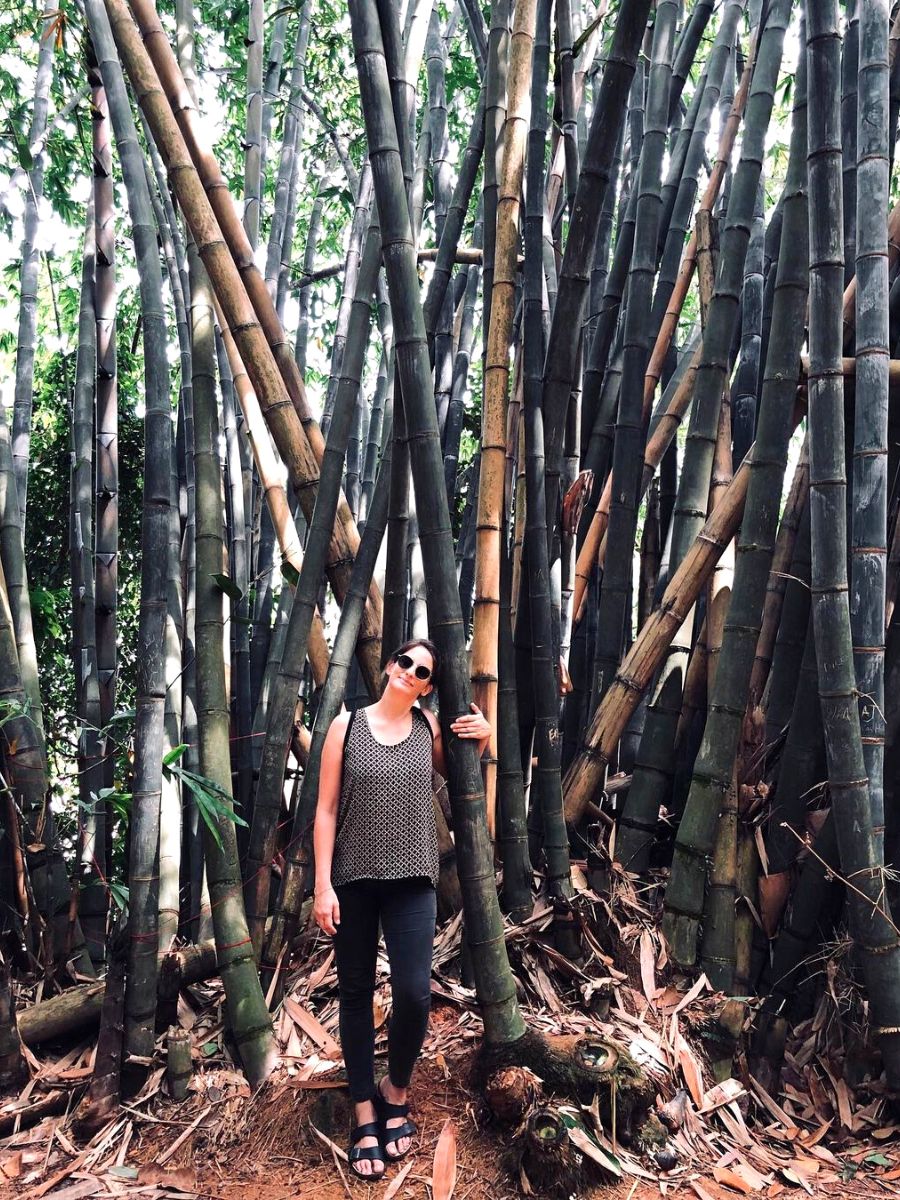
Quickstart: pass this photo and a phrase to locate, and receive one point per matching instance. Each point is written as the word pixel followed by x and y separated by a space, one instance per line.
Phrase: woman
pixel 376 857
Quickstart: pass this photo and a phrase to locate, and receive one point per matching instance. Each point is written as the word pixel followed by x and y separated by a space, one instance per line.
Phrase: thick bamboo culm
pixel 486 614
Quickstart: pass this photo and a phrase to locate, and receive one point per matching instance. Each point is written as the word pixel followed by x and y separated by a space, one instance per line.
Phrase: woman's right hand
pixel 327 910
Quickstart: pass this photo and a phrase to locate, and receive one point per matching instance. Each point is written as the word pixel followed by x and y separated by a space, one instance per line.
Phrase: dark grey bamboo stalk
pixel 494 982
pixel 849 126
pixel 92 839
pixel 106 548
pixel 546 789
pixel 574 276
pixel 140 995
pixel 875 938
pixel 292 132
pixel 868 543
pixel 253 122
pixel 26 337
pixel 613 622
pixel 713 770
pixel 746 383
pixel 360 229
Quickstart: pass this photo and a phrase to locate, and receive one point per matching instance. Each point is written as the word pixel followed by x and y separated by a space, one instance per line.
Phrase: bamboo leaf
pixel 174 754
pixel 227 585
pixel 582 1141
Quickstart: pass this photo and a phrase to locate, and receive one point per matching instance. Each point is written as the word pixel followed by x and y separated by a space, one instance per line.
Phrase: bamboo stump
pixel 178 1062
pixel 577 1068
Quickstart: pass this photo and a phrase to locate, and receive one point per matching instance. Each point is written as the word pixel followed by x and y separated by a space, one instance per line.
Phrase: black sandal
pixel 357 1154
pixel 386 1112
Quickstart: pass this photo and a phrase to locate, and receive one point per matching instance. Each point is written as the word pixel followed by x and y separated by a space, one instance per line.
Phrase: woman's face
pixel 404 680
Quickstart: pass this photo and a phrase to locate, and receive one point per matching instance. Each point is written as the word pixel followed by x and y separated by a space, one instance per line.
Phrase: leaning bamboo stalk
pixel 264 346
pixel 874 936
pixel 485 632
pixel 495 986
pixel 584 778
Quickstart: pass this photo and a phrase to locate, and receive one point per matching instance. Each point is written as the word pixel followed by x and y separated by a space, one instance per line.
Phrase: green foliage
pixel 214 804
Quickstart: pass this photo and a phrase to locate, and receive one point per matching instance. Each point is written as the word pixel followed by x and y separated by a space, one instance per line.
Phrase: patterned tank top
pixel 386 827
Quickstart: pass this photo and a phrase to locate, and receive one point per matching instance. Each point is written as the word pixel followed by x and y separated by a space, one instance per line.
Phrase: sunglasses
pixel 404 662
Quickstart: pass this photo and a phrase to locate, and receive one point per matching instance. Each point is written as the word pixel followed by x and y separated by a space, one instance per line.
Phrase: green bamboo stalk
pixel 868 542
pixel 873 934
pixel 746 382
pixel 713 770
pixel 494 982
pixel 313 232
pixel 245 1004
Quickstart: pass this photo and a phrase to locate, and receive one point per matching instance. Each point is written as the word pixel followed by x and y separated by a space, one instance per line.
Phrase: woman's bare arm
pixel 473 725
pixel 326 909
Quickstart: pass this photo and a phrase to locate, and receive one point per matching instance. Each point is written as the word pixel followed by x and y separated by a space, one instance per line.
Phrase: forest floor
pixel 817 1136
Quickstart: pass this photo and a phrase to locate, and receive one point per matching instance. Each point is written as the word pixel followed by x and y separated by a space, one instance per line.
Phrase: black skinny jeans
pixel 407 910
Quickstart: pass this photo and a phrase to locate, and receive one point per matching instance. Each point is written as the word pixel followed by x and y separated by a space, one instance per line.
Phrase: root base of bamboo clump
pixel 575 1068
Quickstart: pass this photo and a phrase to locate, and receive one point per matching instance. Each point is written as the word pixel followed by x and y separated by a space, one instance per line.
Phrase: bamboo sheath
pixel 585 776
pixel 489 529
pixel 246 303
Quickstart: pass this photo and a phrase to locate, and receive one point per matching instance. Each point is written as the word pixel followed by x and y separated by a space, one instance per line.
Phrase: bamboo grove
pixel 600 393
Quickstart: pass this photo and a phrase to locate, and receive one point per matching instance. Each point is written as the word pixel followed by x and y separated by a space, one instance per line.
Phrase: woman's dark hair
pixel 426 644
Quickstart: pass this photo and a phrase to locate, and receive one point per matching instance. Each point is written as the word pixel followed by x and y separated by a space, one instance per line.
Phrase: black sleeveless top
pixel 386 827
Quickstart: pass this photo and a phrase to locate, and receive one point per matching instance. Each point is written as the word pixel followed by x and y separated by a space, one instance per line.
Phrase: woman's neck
pixel 392 707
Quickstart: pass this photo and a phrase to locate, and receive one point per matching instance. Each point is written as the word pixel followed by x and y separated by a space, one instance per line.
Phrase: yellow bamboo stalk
pixel 486 612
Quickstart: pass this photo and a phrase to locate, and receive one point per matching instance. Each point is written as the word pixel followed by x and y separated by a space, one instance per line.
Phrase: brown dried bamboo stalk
pixel 489 528
pixel 585 776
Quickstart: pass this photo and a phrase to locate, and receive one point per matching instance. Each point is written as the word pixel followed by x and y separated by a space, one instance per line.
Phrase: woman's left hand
pixel 473 725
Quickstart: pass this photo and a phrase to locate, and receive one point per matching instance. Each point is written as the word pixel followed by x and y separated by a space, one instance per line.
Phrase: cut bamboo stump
pixel 178 1062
